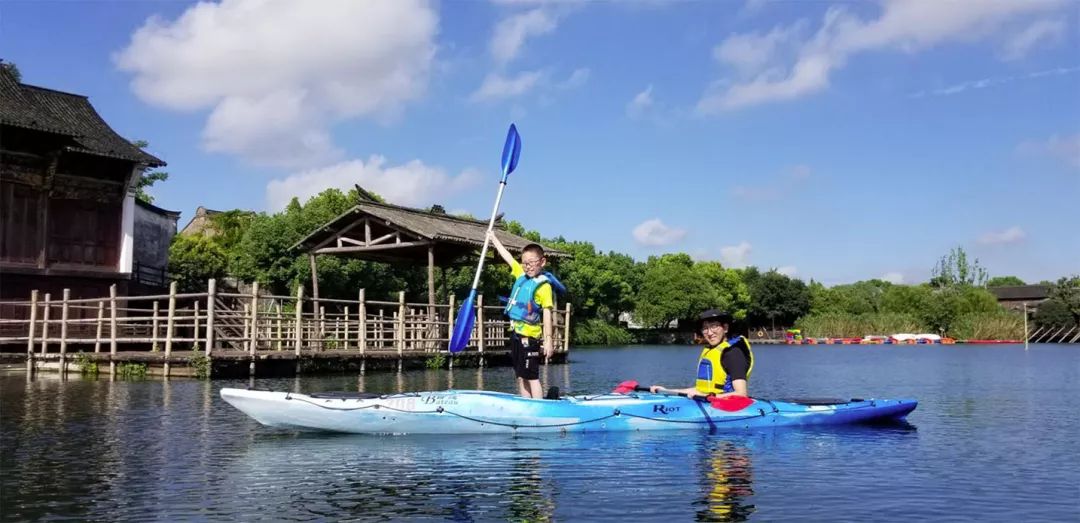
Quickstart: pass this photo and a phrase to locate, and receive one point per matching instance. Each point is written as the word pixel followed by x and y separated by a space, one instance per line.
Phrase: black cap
pixel 714 314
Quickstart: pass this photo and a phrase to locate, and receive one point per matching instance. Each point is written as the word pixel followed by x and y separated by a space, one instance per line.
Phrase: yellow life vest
pixel 711 377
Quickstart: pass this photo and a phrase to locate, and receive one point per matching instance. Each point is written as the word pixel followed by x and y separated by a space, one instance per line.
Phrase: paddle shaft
pixel 491 226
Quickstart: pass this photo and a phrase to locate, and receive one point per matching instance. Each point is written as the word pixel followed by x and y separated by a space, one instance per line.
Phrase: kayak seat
pixel 552 393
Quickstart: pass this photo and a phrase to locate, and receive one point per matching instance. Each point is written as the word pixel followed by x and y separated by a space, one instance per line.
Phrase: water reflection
pixel 102 450
pixel 727 480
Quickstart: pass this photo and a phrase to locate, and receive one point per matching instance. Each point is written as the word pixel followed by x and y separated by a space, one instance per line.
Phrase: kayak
pixel 473 411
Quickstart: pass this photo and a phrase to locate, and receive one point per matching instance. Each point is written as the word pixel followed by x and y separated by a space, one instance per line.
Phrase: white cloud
pixel 774 189
pixel 995 81
pixel 577 79
pixel 768 75
pixel 654 233
pixel 1013 234
pixel 410 184
pixel 1047 30
pixel 736 256
pixel 1066 148
pixel 277 73
pixel 753 52
pixel 641 103
pixel 511 33
pixel 893 277
pixel 497 86
pixel 787 270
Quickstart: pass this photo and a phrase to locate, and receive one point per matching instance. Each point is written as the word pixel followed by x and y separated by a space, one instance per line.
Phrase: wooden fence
pixel 253 323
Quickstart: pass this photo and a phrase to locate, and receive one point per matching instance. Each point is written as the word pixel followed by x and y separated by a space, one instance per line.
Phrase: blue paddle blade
pixel 463 325
pixel 511 151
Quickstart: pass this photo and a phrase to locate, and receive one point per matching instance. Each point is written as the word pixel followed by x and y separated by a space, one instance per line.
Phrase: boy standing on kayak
pixel 530 311
pixel 724 365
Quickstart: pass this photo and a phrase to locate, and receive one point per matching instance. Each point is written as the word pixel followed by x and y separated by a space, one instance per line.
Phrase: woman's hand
pixel 655 388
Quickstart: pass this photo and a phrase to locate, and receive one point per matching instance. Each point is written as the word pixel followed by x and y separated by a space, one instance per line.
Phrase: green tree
pixel 1004 281
pixel 775 298
pixel 12 69
pixel 1054 314
pixel 1067 291
pixel 955 269
pixel 147 179
pixel 195 259
pixel 862 297
pixel 603 284
pixel 726 288
pixel 906 299
pixel 669 291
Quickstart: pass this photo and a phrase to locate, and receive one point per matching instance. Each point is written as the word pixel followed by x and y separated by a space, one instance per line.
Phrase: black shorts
pixel 525 353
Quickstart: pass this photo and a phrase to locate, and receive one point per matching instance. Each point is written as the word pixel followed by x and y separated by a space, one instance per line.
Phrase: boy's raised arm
pixel 506 256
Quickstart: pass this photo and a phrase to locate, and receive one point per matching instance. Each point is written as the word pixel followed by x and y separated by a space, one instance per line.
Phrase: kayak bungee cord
pixel 441 410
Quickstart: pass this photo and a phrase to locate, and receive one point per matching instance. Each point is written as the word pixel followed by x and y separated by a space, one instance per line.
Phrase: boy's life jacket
pixel 522 306
pixel 711 376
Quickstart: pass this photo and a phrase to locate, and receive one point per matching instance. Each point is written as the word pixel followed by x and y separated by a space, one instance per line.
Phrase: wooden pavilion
pixel 377 231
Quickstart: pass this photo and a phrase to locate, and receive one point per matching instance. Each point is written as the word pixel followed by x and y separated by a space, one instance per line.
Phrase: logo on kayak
pixel 664 409
pixel 439 400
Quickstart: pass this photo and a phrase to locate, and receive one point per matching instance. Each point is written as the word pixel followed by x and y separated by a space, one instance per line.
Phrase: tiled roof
pixel 67 114
pixel 440 228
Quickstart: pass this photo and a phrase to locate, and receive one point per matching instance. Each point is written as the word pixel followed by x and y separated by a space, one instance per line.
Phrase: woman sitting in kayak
pixel 724 365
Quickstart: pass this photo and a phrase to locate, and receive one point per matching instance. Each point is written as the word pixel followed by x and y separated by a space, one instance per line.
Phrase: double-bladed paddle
pixel 727 403
pixel 466 315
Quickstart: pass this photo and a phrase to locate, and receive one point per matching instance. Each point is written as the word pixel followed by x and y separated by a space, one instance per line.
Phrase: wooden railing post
pixel 30 333
pixel 154 333
pixel 566 329
pixel 277 323
pixel 195 335
pixel 345 335
pixel 362 339
pixel 100 326
pixel 298 332
pixel 211 298
pixel 322 327
pixel 64 331
pixel 170 322
pixel 401 322
pixel 450 319
pixel 112 330
pixel 479 323
pixel 253 341
pixel 45 325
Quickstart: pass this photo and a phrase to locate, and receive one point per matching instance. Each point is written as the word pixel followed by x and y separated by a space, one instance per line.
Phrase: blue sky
pixel 837 141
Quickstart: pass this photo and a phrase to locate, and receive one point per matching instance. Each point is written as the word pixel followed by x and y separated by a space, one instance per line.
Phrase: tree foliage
pixel 954 269
pixel 776 299
pixel 195 259
pixel 602 286
pixel 1067 291
pixel 147 179
pixel 11 69
pixel 1054 314
pixel 1004 281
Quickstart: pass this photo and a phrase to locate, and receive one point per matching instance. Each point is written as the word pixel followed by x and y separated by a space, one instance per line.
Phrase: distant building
pixel 203 221
pixel 154 230
pixel 67 213
pixel 200 223
pixel 1014 296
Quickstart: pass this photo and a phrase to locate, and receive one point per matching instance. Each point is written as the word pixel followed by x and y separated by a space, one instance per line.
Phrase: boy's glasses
pixel 712 327
pixel 531 263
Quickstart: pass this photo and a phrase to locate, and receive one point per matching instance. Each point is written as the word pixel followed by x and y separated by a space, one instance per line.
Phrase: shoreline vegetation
pixel 610 292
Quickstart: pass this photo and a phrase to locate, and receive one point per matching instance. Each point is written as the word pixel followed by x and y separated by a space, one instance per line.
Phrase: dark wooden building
pixel 67 214
pixel 1014 297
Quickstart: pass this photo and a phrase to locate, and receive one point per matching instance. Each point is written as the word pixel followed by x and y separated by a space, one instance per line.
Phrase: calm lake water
pixel 995 438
